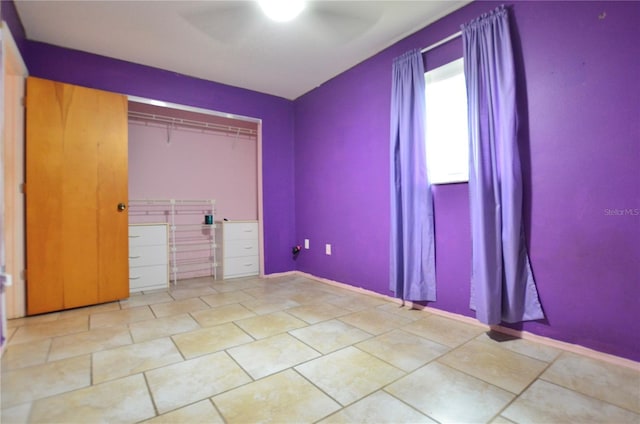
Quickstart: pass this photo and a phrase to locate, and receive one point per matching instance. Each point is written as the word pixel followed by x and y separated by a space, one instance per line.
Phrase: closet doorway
pixel 187 153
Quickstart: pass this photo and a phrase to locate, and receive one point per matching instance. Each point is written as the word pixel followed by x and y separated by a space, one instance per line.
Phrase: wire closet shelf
pixel 192 246
pixel 171 122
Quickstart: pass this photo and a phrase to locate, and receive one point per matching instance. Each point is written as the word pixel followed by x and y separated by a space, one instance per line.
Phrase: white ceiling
pixel 232 42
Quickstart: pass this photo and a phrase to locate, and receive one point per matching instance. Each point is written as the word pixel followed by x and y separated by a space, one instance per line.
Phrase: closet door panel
pixel 76 237
pixel 78 221
pixel 44 173
pixel 113 189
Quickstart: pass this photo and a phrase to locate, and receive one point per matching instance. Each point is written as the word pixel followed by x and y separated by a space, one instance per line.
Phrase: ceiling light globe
pixel 282 10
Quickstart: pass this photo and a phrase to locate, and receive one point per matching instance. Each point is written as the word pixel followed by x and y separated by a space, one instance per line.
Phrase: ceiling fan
pixel 235 22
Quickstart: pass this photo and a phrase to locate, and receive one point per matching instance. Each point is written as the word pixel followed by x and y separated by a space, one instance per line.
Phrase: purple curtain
pixel 502 285
pixel 413 274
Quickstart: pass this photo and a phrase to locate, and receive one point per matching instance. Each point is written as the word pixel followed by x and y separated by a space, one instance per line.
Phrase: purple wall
pixel 580 103
pixel 75 67
pixel 580 100
pixel 9 14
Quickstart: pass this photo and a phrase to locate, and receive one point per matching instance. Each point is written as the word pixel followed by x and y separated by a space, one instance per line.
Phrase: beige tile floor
pixel 293 350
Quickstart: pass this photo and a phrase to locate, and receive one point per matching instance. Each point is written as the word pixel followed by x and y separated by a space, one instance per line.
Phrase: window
pixel 447 145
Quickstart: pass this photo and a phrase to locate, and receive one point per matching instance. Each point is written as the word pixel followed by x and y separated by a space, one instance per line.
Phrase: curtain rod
pixel 441 42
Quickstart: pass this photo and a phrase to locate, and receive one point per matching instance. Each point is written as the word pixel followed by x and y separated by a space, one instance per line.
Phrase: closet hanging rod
pixel 441 42
pixel 190 123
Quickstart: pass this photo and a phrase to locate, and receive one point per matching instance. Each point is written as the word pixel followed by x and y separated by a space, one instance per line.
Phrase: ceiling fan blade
pixel 228 22
pixel 338 21
pixel 329 22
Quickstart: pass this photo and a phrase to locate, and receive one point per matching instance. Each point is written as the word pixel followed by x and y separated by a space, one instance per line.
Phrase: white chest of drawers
pixel 148 257
pixel 238 246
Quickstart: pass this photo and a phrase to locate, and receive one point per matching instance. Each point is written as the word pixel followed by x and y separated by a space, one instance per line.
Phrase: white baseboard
pixel 525 335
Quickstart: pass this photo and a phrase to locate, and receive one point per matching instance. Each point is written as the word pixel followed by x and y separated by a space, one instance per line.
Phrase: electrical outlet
pixel 306 243
pixel 327 249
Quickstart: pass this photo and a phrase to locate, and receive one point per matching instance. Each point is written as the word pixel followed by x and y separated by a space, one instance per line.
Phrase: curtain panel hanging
pixel 413 275
pixel 502 284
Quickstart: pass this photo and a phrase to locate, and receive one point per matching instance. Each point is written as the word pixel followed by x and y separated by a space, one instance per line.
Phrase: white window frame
pixel 446 128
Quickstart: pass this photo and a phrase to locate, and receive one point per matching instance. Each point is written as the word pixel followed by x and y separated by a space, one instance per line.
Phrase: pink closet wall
pixel 187 164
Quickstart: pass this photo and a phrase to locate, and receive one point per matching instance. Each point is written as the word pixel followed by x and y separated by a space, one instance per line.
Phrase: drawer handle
pixel 248 247
pixel 134 236
pixel 248 231
pixel 134 257
pixel 248 264
pixel 134 278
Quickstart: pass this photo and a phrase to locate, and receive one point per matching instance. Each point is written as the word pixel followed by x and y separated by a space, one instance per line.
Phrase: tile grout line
pixel 215 407
pixel 589 396
pixel 389 363
pixel 408 404
pixel 517 395
pixel 320 389
pixel 184 358
pixel 243 370
pixel 150 394
pixel 285 369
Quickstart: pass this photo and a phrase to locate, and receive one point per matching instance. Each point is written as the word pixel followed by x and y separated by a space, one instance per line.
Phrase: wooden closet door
pixel 76 175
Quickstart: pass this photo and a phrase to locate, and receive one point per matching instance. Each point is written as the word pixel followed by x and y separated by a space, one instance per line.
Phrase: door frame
pixel 14 74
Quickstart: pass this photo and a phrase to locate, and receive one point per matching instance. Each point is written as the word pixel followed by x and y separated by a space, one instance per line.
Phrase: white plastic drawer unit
pixel 147 234
pixel 148 257
pixel 243 230
pixel 241 266
pixel 239 249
